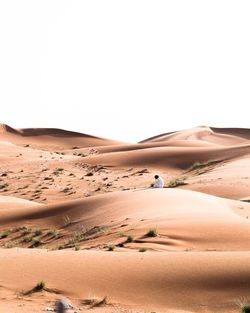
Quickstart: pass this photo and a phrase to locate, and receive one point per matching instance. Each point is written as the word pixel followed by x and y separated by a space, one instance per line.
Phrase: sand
pixel 76 210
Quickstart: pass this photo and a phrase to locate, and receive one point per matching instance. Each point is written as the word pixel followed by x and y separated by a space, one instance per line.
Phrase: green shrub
pixel 178 181
pixel 130 239
pixel 152 233
pixel 142 250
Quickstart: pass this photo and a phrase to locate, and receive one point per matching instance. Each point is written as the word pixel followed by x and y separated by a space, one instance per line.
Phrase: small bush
pixel 66 220
pixel 58 171
pixel 4 234
pixel 130 239
pixel 142 250
pixel 24 231
pixel 151 233
pixel 179 181
pixel 37 232
pixel 4 186
pixel 244 306
pixel 77 247
pixel 39 286
pixel 52 232
pixel 10 244
pixel 110 248
pixel 36 241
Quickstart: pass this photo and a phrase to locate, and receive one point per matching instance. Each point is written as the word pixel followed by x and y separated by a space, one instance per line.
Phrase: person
pixel 159 182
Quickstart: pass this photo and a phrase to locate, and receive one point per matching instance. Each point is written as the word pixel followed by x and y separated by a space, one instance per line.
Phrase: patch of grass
pixel 36 241
pixel 196 165
pixel 24 231
pixel 40 286
pixel 4 234
pixel 111 248
pixel 10 244
pixel 89 174
pixel 49 178
pixel 52 232
pixel 67 189
pixel 130 239
pixel 142 249
pixel 244 306
pixel 76 247
pixel 3 186
pixel 152 233
pixel 37 232
pixel 58 171
pixel 66 220
pixel 178 181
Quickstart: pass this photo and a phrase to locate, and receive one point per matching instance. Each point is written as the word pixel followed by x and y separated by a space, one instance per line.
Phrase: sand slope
pixel 50 138
pixel 87 200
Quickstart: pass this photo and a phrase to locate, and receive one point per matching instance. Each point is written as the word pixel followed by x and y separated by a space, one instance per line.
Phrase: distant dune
pixel 77 212
pixel 51 138
pixel 220 136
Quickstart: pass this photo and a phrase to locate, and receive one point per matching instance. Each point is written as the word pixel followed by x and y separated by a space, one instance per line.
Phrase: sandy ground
pixel 77 212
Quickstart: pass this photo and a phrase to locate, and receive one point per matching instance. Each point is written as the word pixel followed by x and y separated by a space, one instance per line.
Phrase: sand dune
pixel 51 138
pixel 183 219
pixel 62 190
pixel 166 282
pixel 220 136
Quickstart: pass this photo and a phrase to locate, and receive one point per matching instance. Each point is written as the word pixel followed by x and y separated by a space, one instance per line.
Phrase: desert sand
pixel 78 214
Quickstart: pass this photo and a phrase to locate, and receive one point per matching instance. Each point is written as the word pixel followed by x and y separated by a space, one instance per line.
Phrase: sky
pixel 124 70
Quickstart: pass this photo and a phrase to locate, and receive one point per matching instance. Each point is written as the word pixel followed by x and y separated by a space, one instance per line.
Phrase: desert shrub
pixel 37 232
pixel 10 244
pixel 39 286
pixel 52 232
pixel 36 241
pixel 77 247
pixel 4 234
pixel 4 186
pixel 130 239
pixel 142 250
pixel 66 220
pixel 110 248
pixel 24 231
pixel 178 181
pixel 151 233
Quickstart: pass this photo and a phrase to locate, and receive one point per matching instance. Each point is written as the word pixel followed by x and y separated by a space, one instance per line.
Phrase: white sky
pixel 124 70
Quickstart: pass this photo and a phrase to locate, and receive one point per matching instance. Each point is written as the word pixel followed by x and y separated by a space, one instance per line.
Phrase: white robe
pixel 159 183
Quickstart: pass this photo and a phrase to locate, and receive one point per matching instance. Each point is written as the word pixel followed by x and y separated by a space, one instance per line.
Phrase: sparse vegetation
pixel 244 306
pixel 152 233
pixel 110 248
pixel 142 250
pixel 58 171
pixel 40 286
pixel 24 231
pixel 4 234
pixel 3 186
pixel 130 239
pixel 10 244
pixel 178 181
pixel 77 247
pixel 66 220
pixel 52 232
pixel 89 174
pixel 37 232
pixel 67 189
pixel 36 241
